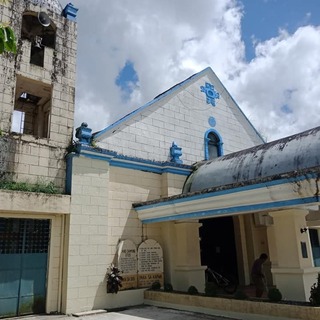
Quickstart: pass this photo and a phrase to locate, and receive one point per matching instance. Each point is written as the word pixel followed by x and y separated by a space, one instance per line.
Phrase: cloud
pixel 167 41
pixel 282 78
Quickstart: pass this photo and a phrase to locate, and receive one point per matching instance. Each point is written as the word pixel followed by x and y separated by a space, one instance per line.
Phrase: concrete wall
pixel 26 157
pixel 183 118
pixel 101 216
pixel 293 270
pixel 29 157
pixel 30 161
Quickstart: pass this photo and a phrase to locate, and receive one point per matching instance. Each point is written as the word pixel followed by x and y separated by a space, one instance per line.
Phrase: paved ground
pixel 151 313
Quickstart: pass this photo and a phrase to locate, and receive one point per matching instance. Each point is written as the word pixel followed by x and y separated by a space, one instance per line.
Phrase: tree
pixel 7 37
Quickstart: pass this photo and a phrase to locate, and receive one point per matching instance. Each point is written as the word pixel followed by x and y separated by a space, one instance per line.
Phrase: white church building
pixel 181 183
pixel 189 171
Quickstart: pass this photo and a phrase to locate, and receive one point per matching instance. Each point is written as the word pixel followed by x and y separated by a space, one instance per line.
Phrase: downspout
pixel 62 243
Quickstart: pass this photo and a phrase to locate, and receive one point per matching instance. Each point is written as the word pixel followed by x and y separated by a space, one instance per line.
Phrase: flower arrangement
pixel 114 280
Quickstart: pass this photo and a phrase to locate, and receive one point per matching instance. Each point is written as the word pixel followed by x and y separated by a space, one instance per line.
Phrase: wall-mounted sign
pixel 128 264
pixel 150 263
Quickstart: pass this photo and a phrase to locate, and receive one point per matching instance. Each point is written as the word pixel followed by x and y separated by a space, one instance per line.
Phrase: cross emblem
pixel 210 93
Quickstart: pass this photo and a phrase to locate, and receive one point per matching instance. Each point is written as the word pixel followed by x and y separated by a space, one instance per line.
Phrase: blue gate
pixel 23 266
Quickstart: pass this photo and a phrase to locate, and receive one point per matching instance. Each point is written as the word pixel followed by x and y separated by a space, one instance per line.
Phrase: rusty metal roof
pixel 288 155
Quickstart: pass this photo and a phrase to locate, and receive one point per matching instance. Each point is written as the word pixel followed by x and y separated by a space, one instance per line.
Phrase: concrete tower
pixel 37 91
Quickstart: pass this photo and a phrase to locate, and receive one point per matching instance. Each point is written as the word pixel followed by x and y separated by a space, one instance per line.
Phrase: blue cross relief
pixel 211 93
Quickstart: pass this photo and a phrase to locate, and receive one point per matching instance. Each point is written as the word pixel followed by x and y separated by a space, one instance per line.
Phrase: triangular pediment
pixel 183 113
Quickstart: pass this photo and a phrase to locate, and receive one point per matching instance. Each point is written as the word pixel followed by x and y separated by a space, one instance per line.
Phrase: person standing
pixel 258 276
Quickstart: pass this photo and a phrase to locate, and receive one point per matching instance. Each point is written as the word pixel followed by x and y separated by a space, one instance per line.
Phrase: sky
pixel 265 52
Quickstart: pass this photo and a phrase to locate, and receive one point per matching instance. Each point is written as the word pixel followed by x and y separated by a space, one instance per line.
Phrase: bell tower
pixel 37 91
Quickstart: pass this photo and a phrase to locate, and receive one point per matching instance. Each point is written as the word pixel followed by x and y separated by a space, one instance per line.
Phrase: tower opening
pixel 32 108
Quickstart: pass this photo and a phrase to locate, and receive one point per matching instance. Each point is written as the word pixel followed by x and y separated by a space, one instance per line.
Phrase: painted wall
pixel 55 257
pixel 101 216
pixel 184 118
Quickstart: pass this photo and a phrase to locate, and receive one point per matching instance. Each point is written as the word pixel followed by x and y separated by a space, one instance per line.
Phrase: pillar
pixel 290 254
pixel 188 270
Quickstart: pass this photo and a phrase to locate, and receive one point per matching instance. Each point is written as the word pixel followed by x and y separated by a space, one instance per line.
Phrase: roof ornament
pixel 175 153
pixel 210 93
pixel 83 133
pixel 70 11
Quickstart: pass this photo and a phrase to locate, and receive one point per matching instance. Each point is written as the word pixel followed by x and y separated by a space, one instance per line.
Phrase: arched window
pixel 41 36
pixel 212 145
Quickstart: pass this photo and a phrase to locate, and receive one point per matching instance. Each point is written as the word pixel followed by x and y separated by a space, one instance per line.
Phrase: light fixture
pixel 305 229
pixel 44 19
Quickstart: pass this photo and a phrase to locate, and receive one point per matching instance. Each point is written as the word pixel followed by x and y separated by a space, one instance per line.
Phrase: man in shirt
pixel 258 276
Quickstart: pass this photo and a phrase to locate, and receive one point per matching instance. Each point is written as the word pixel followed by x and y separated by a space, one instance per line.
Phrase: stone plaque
pixel 127 263
pixel 150 263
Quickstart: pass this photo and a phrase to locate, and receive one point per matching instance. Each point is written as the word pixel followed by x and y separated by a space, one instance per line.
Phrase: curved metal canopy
pixel 292 154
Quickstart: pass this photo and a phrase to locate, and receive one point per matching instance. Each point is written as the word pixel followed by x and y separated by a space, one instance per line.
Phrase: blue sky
pixel 262 19
pixel 266 52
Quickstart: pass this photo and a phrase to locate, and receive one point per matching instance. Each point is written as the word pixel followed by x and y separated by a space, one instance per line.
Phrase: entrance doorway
pixel 24 247
pixel 217 245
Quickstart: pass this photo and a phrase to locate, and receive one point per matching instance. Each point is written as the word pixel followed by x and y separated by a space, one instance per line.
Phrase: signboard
pixel 150 263
pixel 127 263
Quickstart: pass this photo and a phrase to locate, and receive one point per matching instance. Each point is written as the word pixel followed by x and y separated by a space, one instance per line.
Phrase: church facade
pixel 181 183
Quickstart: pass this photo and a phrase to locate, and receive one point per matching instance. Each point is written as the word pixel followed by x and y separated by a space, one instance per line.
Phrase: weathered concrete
pixel 285 156
pixel 231 307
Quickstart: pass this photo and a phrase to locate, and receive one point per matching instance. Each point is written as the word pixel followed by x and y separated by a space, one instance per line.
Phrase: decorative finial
pixel 83 133
pixel 175 153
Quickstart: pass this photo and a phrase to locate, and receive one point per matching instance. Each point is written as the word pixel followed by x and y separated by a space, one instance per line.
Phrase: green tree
pixel 7 37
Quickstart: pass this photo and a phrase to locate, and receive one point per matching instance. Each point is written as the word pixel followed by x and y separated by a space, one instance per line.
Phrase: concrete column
pixel 242 252
pixel 171 184
pixel 188 270
pixel 293 270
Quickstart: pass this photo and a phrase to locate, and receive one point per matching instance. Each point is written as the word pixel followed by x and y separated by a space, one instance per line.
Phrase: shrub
pixel 315 293
pixel 210 289
pixel 274 295
pixel 168 287
pixel 114 280
pixel 240 295
pixel 40 186
pixel 156 285
pixel 192 290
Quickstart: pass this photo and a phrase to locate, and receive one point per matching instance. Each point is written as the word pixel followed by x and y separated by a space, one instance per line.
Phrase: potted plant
pixel 114 280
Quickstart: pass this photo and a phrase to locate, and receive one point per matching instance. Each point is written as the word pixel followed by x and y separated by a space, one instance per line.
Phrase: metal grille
pixel 24 236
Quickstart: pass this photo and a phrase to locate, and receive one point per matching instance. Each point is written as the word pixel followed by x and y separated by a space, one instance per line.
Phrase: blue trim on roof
pixel 233 210
pixel 135 166
pixel 194 197
pixel 156 99
pixel 122 161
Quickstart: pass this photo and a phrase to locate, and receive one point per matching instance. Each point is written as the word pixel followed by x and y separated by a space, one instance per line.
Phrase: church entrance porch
pixel 217 245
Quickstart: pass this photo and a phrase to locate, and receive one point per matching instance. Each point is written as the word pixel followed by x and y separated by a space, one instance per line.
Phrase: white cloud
pixel 285 72
pixel 167 41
